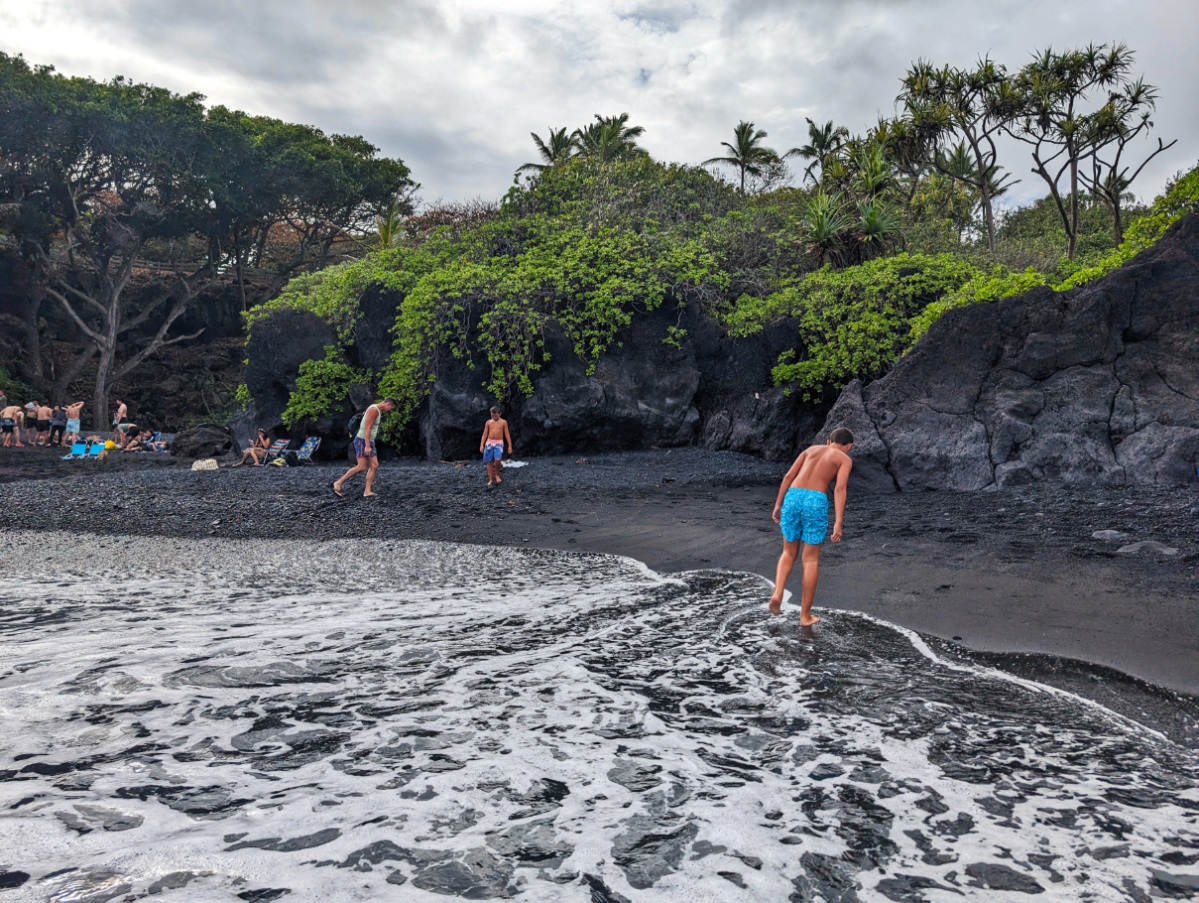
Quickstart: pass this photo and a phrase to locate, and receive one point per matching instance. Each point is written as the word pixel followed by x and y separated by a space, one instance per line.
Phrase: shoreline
pixel 1012 577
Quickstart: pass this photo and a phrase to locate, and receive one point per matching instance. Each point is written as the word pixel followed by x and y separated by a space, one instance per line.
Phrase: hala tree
pixel 1114 128
pixel 1057 118
pixel 972 105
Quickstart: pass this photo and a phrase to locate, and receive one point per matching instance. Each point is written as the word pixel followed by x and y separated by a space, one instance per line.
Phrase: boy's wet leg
pixel 811 573
pixel 786 563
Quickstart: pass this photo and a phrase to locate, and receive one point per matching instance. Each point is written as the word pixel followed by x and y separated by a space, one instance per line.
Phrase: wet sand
pixel 1015 571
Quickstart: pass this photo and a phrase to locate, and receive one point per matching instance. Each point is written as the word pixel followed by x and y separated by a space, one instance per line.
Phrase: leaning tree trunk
pixel 33 339
pixel 100 392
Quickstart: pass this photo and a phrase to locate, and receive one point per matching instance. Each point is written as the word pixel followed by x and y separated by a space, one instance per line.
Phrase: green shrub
pixel 322 387
pixel 852 322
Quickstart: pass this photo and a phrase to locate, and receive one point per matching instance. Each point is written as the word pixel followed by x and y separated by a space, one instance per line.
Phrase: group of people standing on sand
pixel 801 508
pixel 58 425
pixel 42 424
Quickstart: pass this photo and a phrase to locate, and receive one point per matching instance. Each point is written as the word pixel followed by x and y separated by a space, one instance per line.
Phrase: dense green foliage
pixel 587 248
pixel 321 387
pixel 852 322
pixel 890 230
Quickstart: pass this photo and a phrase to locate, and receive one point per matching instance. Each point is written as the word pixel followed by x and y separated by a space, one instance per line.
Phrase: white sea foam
pixel 231 718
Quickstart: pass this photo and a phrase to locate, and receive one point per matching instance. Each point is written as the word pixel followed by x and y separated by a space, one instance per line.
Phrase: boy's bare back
pixel 819 466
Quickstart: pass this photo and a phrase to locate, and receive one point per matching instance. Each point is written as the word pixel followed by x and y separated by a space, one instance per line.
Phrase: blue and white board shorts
pixel 804 516
pixel 493 451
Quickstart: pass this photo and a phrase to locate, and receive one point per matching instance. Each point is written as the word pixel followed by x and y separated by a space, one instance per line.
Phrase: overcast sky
pixel 454 87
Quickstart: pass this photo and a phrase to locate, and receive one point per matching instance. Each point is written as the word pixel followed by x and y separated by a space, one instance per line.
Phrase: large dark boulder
pixel 704 387
pixel 1099 384
pixel 208 440
pixel 643 392
pixel 275 348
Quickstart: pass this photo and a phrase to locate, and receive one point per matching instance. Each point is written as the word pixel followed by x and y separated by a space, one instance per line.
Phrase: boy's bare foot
pixel 776 606
pixel 808 623
pixel 498 480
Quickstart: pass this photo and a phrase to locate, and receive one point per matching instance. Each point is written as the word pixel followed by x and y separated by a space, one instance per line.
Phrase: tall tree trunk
pixel 1072 232
pixel 988 216
pixel 100 419
pixel 1117 222
pixel 33 338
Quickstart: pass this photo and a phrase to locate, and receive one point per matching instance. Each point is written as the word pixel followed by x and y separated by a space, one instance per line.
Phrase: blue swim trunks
pixel 493 451
pixel 805 516
pixel 364 448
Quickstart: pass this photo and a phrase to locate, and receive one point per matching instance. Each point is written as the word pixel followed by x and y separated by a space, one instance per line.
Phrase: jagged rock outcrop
pixel 642 393
pixel 705 388
pixel 1099 384
pixel 275 348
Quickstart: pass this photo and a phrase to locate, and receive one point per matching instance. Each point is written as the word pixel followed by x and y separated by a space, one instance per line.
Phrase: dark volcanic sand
pixel 1015 571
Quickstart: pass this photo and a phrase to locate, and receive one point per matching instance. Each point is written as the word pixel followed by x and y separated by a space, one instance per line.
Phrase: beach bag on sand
pixel 205 464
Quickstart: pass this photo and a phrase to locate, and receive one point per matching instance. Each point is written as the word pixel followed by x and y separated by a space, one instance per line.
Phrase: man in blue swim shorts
pixel 802 512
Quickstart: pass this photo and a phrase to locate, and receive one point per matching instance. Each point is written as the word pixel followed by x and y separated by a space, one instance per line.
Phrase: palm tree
pixel 609 138
pixel 557 150
pixel 390 222
pixel 746 152
pixel 824 144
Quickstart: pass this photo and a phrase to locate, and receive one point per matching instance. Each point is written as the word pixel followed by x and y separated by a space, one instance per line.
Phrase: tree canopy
pixel 123 200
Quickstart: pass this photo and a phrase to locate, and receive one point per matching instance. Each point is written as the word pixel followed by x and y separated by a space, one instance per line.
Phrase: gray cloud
pixel 454 87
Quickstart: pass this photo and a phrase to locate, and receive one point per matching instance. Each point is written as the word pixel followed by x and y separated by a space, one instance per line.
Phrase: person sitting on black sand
pixel 257 449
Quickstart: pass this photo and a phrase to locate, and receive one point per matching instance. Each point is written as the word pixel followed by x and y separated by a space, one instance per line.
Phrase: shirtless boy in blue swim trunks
pixel 802 512
pixel 495 432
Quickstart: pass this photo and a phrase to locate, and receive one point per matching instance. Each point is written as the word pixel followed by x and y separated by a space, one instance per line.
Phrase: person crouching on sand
pixel 364 446
pixel 802 511
pixel 495 431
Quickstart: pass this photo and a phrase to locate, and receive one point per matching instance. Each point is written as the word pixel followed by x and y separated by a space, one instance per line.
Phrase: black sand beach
pixel 1015 575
